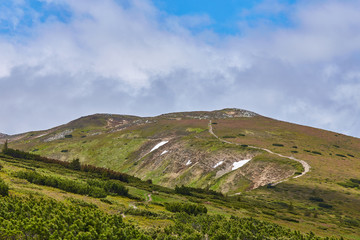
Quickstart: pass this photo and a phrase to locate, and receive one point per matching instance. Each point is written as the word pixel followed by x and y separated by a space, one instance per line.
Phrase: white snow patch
pixel 188 162
pixel 159 145
pixel 218 164
pixel 239 164
pixel 166 151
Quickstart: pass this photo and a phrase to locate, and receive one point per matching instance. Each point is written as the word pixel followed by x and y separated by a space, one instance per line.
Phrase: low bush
pixel 316 152
pixel 349 184
pixel 316 199
pixel 228 136
pixel 93 188
pixel 340 155
pixel 106 201
pixel 354 180
pixel 325 205
pixel 140 212
pixel 4 188
pixel 192 209
pixel 278 144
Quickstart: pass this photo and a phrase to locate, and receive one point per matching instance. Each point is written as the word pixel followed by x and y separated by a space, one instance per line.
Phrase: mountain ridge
pixel 229 151
pixel 187 137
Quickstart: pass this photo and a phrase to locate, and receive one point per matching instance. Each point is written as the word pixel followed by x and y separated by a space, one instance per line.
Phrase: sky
pixel 296 61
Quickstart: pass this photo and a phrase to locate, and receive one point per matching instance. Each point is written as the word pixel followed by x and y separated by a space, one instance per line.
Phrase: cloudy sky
pixel 297 61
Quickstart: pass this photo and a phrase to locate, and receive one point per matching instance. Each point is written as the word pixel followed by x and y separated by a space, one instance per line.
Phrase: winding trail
pixel 305 165
pixel 149 198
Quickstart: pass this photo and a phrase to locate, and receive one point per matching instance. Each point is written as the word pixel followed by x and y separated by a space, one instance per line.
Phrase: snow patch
pixel 166 151
pixel 239 164
pixel 188 162
pixel 159 145
pixel 218 164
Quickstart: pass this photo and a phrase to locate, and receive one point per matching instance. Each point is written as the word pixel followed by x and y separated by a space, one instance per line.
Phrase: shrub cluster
pixel 278 144
pixel 75 165
pixel 37 219
pixel 93 188
pixel 41 218
pixel 351 183
pixel 4 188
pixel 192 209
pixel 183 190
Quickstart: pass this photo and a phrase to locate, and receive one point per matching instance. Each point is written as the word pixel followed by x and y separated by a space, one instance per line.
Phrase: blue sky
pixel 224 16
pixel 291 60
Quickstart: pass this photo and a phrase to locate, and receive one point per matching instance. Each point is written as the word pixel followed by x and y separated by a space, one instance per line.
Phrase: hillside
pixel 297 172
pixel 2 135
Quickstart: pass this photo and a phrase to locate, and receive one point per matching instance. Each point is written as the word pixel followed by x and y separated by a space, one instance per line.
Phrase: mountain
pixel 297 175
pixel 177 148
pixel 2 135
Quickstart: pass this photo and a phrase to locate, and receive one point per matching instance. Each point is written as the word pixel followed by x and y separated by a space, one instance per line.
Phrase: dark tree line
pixel 74 164
pixel 93 188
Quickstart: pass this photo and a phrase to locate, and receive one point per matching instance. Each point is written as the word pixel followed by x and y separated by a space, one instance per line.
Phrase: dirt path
pixel 149 198
pixel 305 165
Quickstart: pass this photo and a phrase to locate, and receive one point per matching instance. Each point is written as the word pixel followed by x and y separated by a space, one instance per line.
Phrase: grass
pixel 248 204
pixel 333 158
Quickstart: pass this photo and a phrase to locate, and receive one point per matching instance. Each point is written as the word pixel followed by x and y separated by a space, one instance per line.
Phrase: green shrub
pixel 278 144
pixel 351 222
pixel 349 184
pixel 4 188
pixel 354 180
pixel 325 205
pixel 228 136
pixel 93 188
pixel 75 164
pixel 316 152
pixel 192 209
pixel 316 199
pixel 106 201
pixel 140 212
pixel 182 190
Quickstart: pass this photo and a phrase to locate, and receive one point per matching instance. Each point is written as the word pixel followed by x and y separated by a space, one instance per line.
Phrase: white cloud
pixel 135 59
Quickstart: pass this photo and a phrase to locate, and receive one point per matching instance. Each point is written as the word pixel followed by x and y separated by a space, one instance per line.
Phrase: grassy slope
pixel 327 170
pixel 259 204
